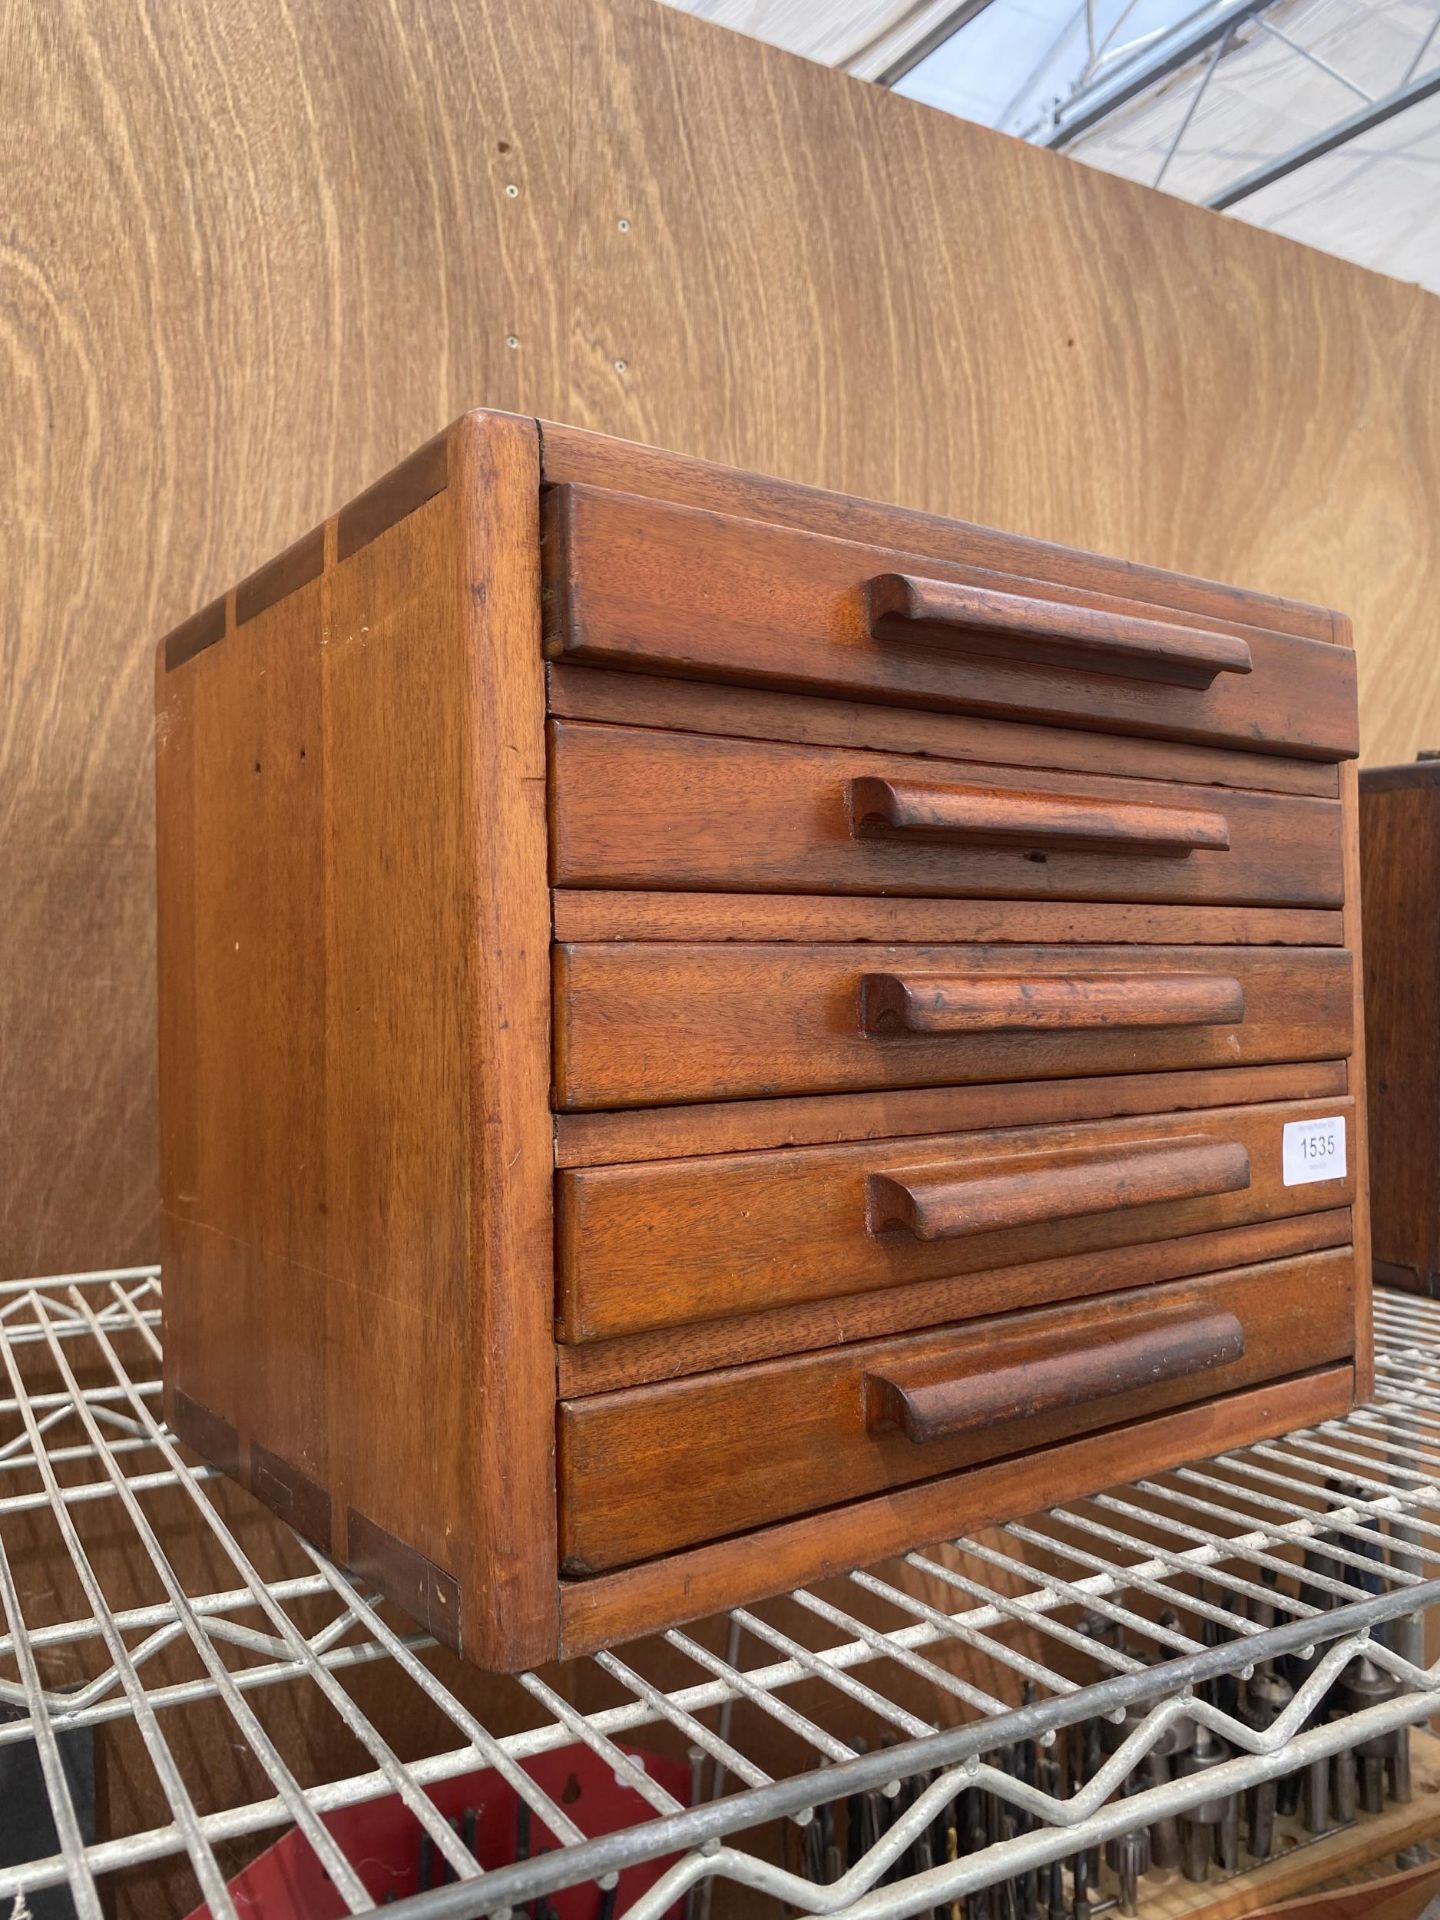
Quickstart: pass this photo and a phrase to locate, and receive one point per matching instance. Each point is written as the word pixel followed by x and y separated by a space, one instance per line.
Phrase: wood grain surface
pixel 354 1069
pixel 581 915
pixel 599 1139
pixel 752 713
pixel 655 586
pixel 1364 1253
pixel 759 1021
pixel 672 1352
pixel 637 807
pixel 670 1241
pixel 1400 875
pixel 653 1468
pixel 610 1606
pixel 226 312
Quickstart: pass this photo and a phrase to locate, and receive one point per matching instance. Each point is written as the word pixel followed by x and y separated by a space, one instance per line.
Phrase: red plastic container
pixel 383 1841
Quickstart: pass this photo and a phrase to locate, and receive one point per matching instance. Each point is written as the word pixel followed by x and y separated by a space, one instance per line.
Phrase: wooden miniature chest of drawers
pixel 712 1032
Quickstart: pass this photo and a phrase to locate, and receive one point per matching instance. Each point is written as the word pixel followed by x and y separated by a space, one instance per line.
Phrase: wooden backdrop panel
pixel 255 251
pixel 252 254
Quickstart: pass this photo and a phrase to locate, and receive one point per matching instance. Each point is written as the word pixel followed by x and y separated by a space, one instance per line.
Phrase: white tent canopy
pixel 874 39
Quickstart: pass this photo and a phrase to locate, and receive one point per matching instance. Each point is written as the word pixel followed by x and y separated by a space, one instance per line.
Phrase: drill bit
pixel 1313 1787
pixel 1160 1767
pixel 1264 1698
pixel 1198 1824
pixel 1363 1685
pixel 1346 1802
pixel 1131 1865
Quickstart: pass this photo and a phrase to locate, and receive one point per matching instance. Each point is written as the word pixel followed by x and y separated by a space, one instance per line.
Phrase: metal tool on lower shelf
pixel 940 1711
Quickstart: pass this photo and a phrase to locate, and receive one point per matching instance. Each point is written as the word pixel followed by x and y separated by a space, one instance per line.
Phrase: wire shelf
pixel 140 1591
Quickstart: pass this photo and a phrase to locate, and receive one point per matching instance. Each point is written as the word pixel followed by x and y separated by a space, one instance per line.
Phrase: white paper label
pixel 1313 1150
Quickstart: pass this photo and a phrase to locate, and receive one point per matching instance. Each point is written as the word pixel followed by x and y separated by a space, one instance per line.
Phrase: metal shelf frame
pixel 1129 1605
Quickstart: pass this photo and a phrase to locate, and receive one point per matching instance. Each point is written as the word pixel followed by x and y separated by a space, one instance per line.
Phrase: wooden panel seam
pixel 604 1366
pixel 656 914
pixel 632 698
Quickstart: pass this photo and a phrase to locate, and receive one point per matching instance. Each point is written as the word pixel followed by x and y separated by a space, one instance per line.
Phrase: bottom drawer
pixel 652 1469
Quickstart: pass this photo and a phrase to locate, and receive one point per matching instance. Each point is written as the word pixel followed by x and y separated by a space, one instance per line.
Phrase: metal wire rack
pixel 142 1593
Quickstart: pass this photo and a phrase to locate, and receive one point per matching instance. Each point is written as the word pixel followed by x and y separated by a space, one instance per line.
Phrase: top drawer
pixel 638 583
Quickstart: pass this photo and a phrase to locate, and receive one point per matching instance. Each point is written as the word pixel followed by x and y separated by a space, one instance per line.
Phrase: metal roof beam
pixel 1149 72
pixel 1363 120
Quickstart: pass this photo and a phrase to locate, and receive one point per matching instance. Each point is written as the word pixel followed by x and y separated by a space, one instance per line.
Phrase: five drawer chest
pixel 712 1032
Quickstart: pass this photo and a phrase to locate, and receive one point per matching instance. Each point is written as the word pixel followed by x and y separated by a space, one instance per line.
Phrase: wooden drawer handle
pixel 1014 626
pixel 950 1004
pixel 987 817
pixel 933 1401
pixel 934 1205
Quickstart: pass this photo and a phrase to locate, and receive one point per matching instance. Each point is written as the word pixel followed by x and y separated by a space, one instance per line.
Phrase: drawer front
pixel 674 590
pixel 671 1242
pixel 635 807
pixel 650 1025
pixel 653 1469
